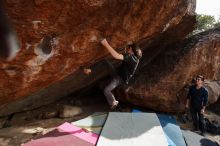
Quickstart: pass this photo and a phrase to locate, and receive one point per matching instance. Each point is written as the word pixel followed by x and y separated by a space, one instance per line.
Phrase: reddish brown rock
pixel 162 85
pixel 57 38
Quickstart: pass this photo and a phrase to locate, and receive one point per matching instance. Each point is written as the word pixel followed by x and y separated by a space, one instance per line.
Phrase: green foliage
pixel 205 22
pixel 217 24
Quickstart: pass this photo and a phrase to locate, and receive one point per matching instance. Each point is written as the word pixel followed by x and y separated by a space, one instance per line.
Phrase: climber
pixel 130 60
pixel 197 99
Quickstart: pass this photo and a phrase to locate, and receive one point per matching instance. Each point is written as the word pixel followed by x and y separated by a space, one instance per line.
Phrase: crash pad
pixel 65 135
pixel 93 123
pixel 194 139
pixel 132 129
pixel 171 129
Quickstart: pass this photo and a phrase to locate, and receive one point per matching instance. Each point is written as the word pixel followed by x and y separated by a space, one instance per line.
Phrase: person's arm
pixel 205 101
pixel 188 98
pixel 187 103
pixel 115 54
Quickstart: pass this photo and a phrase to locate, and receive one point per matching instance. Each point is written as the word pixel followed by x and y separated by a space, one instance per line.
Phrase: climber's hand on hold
pixel 87 71
pixel 112 51
pixel 104 42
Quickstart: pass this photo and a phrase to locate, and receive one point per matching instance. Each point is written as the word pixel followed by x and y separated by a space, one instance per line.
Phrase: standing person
pixel 197 99
pixel 130 61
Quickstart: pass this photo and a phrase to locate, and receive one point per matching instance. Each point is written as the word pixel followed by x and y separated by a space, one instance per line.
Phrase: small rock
pixel 69 111
pixel 34 130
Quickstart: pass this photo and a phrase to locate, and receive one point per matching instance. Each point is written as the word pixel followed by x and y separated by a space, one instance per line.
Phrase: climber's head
pixel 134 49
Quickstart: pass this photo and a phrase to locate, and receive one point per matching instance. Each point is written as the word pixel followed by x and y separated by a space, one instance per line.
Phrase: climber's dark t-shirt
pixel 198 97
pixel 128 67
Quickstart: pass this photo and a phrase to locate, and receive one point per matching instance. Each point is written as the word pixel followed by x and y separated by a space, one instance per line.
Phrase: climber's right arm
pixel 115 54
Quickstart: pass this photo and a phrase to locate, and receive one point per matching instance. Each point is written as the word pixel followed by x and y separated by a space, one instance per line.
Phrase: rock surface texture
pixel 57 39
pixel 162 85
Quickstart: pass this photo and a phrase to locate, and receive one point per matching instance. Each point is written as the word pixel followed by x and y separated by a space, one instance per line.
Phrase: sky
pixel 208 7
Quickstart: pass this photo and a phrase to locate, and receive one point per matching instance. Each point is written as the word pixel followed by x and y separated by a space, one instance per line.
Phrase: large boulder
pixel 214 90
pixel 162 85
pixel 59 38
pixel 214 95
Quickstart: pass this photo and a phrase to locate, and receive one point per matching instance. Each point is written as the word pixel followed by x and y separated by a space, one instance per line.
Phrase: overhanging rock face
pixel 57 38
pixel 162 85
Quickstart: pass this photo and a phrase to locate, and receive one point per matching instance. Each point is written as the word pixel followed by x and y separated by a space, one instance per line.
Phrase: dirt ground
pixel 22 127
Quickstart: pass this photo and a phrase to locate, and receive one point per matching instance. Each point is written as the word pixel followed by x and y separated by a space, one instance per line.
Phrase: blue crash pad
pixel 171 129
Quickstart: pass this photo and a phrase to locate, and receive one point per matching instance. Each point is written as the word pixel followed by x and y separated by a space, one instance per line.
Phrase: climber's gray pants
pixel 115 82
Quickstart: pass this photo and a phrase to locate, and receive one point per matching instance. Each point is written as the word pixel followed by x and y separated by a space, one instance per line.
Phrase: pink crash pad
pixel 66 135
